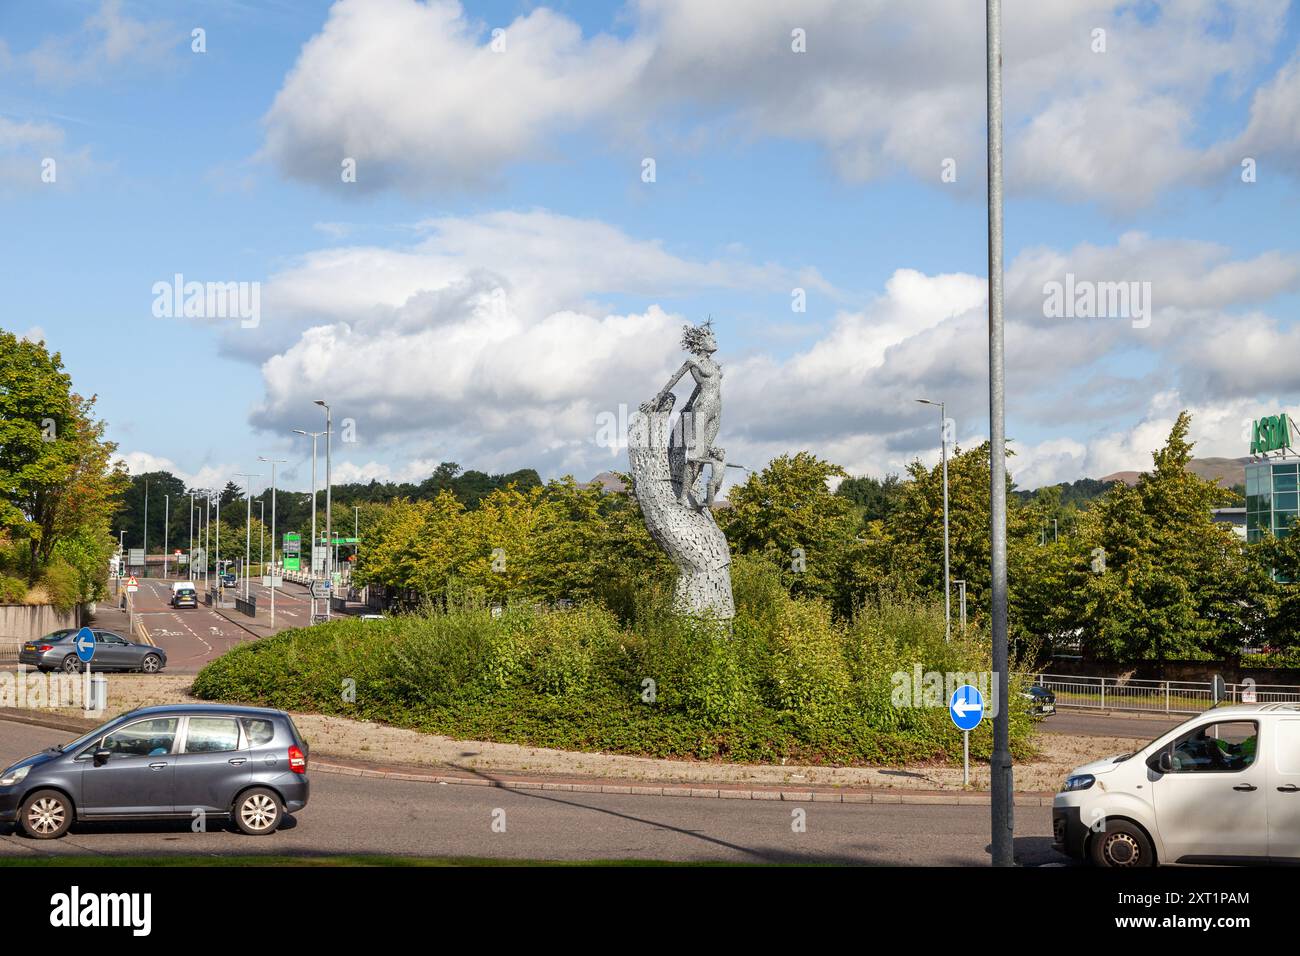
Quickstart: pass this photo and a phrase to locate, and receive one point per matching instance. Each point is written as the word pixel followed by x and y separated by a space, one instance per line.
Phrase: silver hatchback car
pixel 113 652
pixel 246 764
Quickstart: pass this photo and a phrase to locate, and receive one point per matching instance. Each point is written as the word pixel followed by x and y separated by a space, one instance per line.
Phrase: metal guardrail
pixel 1156 696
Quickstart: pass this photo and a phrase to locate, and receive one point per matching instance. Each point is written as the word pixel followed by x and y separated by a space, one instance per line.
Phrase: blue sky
pixel 500 275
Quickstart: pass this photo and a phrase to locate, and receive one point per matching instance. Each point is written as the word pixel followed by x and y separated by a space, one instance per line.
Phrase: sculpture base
pixel 689 535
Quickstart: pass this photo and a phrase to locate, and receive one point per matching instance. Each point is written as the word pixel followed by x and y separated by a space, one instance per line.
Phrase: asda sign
pixel 1270 434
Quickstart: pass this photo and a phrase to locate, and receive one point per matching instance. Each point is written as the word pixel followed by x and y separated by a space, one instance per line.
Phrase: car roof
pixel 1251 710
pixel 181 710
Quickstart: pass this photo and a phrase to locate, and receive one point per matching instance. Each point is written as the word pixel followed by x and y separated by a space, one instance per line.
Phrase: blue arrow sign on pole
pixel 85 644
pixel 966 707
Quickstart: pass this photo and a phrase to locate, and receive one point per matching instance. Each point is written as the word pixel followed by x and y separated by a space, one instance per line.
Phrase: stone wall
pixel 22 622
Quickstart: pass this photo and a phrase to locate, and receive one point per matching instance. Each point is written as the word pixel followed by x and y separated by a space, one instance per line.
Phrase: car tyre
pixel 71 664
pixel 45 815
pixel 151 664
pixel 1122 845
pixel 258 812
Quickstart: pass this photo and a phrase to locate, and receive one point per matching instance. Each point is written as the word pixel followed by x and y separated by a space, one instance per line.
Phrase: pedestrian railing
pixel 1157 696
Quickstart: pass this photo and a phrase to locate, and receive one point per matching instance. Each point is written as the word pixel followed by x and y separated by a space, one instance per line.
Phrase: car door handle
pixel 1289 788
pixel 236 761
pixel 1245 787
pixel 158 766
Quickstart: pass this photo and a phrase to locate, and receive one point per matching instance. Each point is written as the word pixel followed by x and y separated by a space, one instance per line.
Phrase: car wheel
pixel 71 664
pixel 45 815
pixel 151 664
pixel 258 812
pixel 1122 845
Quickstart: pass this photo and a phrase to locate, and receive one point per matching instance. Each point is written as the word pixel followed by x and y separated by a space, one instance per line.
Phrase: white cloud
pixel 486 343
pixel 206 476
pixel 881 87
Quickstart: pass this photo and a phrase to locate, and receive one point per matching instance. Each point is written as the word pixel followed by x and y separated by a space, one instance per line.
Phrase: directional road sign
pixel 966 707
pixel 85 644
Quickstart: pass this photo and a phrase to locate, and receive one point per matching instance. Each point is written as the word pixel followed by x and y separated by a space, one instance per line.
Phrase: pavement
pixel 354 811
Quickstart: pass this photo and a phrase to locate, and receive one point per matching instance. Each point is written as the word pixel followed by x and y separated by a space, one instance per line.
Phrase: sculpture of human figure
pixel 701 415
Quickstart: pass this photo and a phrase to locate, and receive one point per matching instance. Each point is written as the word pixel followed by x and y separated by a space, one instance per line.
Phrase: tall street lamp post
pixel 313 436
pixel 1001 773
pixel 248 532
pixel 167 513
pixel 273 462
pixel 943 445
pixel 329 428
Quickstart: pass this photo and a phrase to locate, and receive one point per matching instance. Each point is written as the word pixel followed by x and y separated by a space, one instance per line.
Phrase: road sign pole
pixel 965 772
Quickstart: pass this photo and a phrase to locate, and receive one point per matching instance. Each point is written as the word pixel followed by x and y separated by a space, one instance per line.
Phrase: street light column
pixel 1000 764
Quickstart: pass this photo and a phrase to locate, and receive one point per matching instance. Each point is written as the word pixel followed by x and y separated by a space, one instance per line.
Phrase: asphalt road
pixel 360 815
pixel 1098 725
pixel 194 636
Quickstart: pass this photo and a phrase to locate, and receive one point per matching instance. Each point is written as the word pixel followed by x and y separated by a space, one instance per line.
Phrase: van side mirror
pixel 1166 762
pixel 101 756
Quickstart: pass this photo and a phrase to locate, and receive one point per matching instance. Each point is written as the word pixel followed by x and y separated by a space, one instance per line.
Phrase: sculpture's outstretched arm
pixel 687 366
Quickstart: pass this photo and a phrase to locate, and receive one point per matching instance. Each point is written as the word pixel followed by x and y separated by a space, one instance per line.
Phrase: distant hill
pixel 1228 472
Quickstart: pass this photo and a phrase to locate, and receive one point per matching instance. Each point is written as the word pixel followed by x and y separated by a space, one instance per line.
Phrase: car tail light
pixel 297 760
pixel 46 647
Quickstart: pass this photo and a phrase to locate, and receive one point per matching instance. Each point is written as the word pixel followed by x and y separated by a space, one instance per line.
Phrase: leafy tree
pixel 55 476
pixel 788 513
pixel 875 497
pixel 1175 584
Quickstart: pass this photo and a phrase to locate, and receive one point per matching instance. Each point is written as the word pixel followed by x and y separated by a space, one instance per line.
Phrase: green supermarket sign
pixel 1270 434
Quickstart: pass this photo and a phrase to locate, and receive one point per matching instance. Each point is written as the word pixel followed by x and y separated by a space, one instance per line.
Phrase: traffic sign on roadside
pixel 966 707
pixel 320 589
pixel 132 585
pixel 85 644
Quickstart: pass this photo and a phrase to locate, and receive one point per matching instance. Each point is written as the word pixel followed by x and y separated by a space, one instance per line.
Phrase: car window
pixel 260 732
pixel 1287 746
pixel 1225 747
pixel 144 738
pixel 210 735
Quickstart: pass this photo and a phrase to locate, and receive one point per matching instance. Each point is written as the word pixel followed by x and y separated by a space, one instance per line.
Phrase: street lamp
pixel 313 436
pixel 1000 764
pixel 273 462
pixel 248 532
pixel 329 427
pixel 261 531
pixel 167 511
pixel 943 444
pixel 961 603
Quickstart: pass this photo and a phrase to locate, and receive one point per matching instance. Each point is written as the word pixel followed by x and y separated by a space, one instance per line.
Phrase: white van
pixel 188 589
pixel 1222 787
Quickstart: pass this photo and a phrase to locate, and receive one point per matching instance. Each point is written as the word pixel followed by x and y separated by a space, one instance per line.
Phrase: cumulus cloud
pixel 486 342
pixel 881 87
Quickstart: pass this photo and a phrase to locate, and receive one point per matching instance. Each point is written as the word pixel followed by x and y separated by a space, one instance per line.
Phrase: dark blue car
pixel 246 764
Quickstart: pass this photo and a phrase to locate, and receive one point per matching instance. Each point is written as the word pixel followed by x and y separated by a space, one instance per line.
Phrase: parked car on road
pixel 1042 702
pixel 113 652
pixel 246 764
pixel 1221 787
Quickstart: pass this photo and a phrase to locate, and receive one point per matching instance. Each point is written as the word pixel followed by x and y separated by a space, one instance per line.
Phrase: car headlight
pixel 1080 781
pixel 14 776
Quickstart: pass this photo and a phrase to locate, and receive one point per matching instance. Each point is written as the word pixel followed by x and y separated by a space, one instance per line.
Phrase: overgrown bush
pixel 784 680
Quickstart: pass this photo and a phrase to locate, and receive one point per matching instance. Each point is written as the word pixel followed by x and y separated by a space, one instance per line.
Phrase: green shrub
pixel 12 590
pixel 63 584
pixel 784 681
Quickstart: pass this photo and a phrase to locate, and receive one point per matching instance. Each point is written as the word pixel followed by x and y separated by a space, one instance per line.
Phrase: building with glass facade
pixel 1271 497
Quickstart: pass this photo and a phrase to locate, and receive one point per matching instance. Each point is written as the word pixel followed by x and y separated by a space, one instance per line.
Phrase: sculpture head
pixel 698 339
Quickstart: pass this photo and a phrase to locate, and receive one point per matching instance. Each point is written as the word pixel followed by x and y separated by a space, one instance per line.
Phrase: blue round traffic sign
pixel 84 642
pixel 966 707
